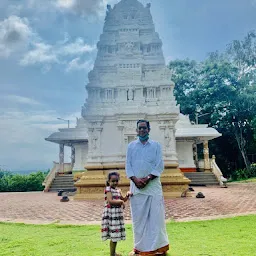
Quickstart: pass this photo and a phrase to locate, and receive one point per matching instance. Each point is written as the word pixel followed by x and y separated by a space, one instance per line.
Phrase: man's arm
pixel 128 164
pixel 158 167
pixel 129 170
pixel 159 164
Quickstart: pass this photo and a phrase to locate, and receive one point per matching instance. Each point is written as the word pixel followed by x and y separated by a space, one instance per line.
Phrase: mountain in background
pixel 26 172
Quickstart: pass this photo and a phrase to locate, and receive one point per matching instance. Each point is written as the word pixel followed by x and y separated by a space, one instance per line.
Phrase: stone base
pixel 92 183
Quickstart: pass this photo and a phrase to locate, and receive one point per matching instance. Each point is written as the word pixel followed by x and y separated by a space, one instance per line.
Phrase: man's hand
pixel 147 179
pixel 139 183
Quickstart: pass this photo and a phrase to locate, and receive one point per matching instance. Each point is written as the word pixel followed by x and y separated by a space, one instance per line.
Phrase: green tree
pixel 186 75
pixel 224 86
pixel 227 95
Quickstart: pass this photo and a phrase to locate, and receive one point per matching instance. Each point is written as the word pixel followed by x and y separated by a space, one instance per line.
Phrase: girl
pixel 112 218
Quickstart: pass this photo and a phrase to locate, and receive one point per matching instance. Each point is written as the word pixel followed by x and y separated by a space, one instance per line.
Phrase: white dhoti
pixel 148 217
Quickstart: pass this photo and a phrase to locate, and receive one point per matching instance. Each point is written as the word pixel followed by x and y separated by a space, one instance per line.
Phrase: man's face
pixel 142 129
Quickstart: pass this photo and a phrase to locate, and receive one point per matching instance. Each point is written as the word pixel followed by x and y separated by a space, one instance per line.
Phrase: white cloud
pixel 77 64
pixel 77 47
pixel 41 53
pixel 88 8
pixel 65 3
pixel 58 53
pixel 15 34
pixel 23 135
pixel 20 100
pixel 85 8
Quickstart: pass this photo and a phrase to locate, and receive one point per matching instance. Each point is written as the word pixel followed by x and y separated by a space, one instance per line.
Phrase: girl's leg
pixel 113 248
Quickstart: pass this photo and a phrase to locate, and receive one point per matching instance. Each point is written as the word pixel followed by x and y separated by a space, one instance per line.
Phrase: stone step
pixel 64 189
pixel 203 184
pixel 63 182
pixel 199 173
pixel 62 185
pixel 201 178
pixel 64 175
pixel 63 178
pixel 195 178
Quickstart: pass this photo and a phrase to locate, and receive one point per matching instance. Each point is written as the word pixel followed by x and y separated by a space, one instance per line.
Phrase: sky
pixel 48 47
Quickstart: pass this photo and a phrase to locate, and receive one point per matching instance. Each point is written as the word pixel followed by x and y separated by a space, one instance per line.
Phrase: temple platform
pixel 93 181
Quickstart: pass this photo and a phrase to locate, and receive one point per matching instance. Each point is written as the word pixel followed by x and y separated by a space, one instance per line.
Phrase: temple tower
pixel 129 81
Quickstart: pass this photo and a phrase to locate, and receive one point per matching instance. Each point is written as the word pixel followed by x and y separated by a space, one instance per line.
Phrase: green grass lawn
pixel 224 237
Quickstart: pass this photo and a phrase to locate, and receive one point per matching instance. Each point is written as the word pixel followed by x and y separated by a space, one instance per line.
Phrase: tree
pixel 227 94
pixel 186 74
pixel 223 85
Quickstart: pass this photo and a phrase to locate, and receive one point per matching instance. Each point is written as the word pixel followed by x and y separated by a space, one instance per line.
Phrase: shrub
pixel 243 174
pixel 21 183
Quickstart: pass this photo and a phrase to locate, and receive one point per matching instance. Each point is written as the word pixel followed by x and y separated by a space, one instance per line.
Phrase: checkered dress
pixel 112 218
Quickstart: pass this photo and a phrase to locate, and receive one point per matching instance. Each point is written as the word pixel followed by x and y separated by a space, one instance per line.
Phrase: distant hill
pixel 26 172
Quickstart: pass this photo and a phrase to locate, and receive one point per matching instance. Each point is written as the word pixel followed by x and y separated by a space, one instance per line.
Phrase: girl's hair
pixel 112 174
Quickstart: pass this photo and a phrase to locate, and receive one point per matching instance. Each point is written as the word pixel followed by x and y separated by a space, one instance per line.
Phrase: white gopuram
pixel 129 81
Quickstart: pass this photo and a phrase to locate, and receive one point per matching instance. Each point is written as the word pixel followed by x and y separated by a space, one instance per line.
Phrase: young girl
pixel 112 218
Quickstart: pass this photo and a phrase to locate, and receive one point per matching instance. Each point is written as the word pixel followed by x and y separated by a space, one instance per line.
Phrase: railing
pixel 217 172
pixel 52 174
pixel 50 177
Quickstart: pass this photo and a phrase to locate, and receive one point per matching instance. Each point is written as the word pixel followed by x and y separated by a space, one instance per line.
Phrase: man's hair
pixel 143 121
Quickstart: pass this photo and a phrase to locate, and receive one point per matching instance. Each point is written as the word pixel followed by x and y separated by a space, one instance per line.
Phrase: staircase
pixel 62 182
pixel 201 178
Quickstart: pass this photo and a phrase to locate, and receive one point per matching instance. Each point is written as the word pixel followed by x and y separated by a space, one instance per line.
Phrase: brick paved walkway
pixel 39 207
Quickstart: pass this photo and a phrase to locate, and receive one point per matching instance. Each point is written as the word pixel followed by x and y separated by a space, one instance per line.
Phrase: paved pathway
pixel 39 207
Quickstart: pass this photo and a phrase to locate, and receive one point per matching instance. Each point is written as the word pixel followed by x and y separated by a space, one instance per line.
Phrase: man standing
pixel 144 166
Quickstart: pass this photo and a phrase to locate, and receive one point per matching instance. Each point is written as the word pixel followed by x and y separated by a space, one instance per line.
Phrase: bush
pixel 243 174
pixel 21 183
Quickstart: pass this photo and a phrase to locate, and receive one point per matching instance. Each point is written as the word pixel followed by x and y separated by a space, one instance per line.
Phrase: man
pixel 144 166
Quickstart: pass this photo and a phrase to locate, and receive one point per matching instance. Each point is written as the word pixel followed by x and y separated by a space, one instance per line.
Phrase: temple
pixel 130 81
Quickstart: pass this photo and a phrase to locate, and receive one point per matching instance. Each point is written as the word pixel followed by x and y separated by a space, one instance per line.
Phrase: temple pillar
pixel 173 142
pixel 207 165
pixel 162 132
pixel 120 127
pixel 61 157
pixel 90 142
pixel 73 156
pixel 195 155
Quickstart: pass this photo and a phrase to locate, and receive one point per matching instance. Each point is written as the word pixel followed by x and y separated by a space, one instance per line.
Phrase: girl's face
pixel 113 181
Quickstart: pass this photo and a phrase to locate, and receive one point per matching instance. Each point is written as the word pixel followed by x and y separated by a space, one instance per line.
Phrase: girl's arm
pixel 113 201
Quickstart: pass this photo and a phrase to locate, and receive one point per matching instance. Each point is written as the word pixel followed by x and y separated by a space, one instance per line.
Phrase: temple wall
pixel 185 154
pixel 81 151
pixel 111 142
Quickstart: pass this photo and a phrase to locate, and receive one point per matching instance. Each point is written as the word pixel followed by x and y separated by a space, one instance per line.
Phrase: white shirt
pixel 142 160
